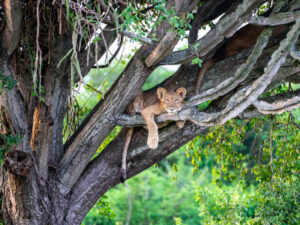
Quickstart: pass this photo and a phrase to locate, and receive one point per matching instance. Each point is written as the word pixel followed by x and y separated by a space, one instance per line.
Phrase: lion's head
pixel 171 101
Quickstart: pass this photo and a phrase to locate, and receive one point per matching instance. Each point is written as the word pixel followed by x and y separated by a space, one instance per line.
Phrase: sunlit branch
pixel 137 37
pixel 275 19
pixel 283 103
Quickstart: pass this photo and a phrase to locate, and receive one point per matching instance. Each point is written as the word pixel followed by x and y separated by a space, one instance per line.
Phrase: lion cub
pixel 150 106
pixel 170 102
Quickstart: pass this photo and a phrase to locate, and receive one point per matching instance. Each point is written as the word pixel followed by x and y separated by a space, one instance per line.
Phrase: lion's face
pixel 171 101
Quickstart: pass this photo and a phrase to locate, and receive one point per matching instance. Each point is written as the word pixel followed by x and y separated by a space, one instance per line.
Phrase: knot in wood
pixel 18 163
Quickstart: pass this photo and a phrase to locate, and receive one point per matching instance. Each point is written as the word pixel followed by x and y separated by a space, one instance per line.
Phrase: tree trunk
pixel 27 202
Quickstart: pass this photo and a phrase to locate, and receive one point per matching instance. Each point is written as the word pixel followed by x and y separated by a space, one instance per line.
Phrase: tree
pixel 47 47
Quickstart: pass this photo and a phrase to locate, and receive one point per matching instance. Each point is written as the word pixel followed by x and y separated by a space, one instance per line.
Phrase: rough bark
pixel 47 182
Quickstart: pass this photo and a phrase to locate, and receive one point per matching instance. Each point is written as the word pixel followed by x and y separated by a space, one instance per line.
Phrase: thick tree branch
pixel 204 13
pixel 280 103
pixel 275 19
pixel 226 27
pixel 276 105
pixel 164 48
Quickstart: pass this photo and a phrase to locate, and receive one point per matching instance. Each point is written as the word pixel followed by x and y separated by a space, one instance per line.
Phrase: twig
pixel 38 54
pixel 94 89
pixel 113 56
pixel 293 121
pixel 271 153
pixel 142 39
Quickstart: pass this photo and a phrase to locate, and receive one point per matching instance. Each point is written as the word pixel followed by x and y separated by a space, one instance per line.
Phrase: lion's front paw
pixel 152 141
pixel 180 123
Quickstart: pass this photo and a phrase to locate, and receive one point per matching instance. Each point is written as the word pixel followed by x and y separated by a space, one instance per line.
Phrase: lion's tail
pixel 124 155
pixel 203 69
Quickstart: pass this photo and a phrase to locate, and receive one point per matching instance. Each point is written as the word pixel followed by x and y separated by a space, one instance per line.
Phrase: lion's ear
pixel 181 92
pixel 161 92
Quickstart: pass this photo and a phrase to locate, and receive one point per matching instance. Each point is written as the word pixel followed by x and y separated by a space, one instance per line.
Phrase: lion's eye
pixel 176 100
pixel 167 100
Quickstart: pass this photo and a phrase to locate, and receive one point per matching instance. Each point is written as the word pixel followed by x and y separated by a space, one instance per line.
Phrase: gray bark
pixel 60 183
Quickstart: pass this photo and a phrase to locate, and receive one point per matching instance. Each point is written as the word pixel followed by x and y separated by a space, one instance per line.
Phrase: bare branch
pixel 165 47
pixel 275 19
pixel 295 54
pixel 86 65
pixel 134 36
pixel 283 103
pixel 205 13
pixel 113 56
pixel 105 7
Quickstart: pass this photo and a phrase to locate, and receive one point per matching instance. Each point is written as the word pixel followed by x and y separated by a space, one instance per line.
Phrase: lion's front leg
pixel 153 138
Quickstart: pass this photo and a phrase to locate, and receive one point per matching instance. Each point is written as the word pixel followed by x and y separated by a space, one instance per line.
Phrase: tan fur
pixel 243 39
pixel 170 102
pixel 150 106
